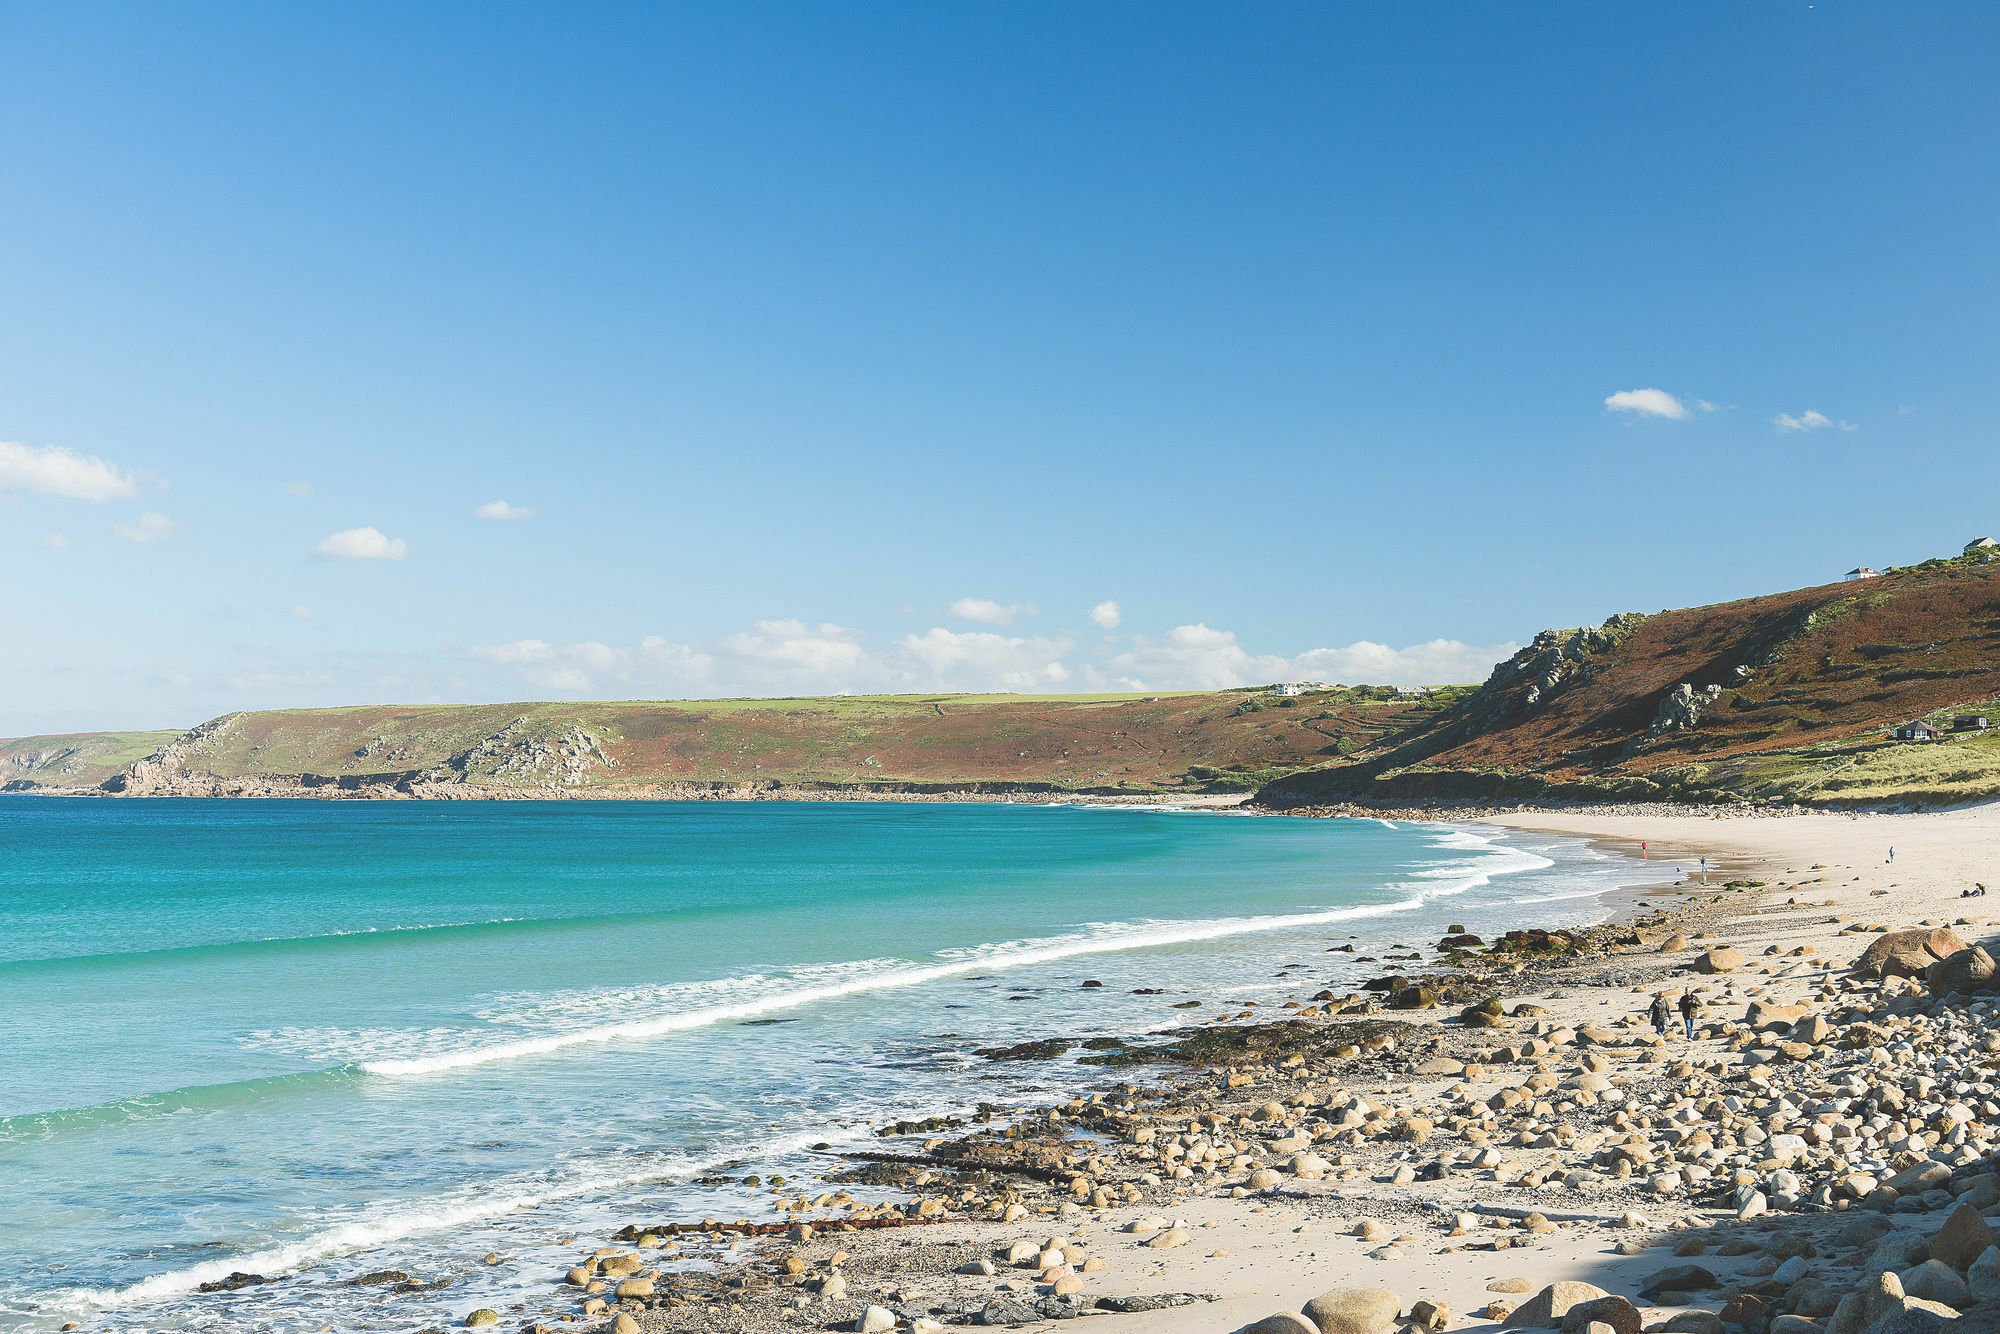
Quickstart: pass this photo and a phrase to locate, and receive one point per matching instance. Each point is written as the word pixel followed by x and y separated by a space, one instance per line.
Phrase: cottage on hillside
pixel 1983 546
pixel 1917 731
pixel 1285 688
pixel 1862 572
pixel 1969 722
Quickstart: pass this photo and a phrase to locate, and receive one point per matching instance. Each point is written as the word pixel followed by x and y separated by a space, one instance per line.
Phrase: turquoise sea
pixel 315 1039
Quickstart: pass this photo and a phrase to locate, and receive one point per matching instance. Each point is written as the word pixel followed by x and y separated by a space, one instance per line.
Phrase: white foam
pixel 836 981
pixel 1105 939
pixel 407 1219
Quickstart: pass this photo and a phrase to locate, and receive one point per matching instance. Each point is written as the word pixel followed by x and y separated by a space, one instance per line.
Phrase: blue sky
pixel 882 347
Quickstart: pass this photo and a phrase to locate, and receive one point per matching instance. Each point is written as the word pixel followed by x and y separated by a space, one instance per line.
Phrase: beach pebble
pixel 833 1288
pixel 1173 1236
pixel 875 1320
pixel 624 1324
pixel 483 1316
pixel 980 1267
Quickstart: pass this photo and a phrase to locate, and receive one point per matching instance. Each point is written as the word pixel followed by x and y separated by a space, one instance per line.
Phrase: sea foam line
pixel 393 1223
pixel 1002 957
pixel 1109 939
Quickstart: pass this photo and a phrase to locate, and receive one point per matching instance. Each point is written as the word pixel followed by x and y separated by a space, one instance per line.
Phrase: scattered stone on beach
pixel 1354 1311
pixel 483 1316
pixel 1546 1308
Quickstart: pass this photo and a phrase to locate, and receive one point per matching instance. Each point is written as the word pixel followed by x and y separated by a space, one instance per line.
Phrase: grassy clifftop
pixel 1211 741
pixel 81 759
pixel 1787 697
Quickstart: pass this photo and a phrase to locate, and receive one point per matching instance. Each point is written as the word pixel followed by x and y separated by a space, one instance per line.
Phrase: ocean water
pixel 317 1039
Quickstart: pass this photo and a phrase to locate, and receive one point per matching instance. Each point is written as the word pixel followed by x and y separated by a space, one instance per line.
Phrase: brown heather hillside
pixel 1217 741
pixel 1788 697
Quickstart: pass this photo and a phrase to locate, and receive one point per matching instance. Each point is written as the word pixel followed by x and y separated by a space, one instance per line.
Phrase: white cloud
pixel 301 612
pixel 1647 403
pixel 54 471
pixel 1809 420
pixel 988 612
pixel 1703 405
pixel 360 544
pixel 500 509
pixel 1197 657
pixel 56 542
pixel 299 489
pixel 1107 615
pixel 788 657
pixel 150 528
pixel 979 660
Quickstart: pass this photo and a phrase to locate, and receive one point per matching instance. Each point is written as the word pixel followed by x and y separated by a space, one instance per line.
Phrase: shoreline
pixel 1288 1234
pixel 1289 1231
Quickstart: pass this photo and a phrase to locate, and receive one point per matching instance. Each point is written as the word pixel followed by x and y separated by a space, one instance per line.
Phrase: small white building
pixel 1286 688
pixel 1983 546
pixel 1862 572
pixel 1918 731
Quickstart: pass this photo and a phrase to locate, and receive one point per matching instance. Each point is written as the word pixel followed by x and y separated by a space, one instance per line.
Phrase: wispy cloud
pixel 299 489
pixel 1647 403
pixel 500 509
pixel 988 612
pixel 360 544
pixel 1809 420
pixel 56 542
pixel 1107 615
pixel 55 471
pixel 150 528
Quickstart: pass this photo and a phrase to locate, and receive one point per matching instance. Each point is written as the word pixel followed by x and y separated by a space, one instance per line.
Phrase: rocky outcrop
pixel 1555 660
pixel 158 770
pixel 1682 709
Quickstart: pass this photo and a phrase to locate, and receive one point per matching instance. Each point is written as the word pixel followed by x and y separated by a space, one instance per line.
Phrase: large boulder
pixel 1284 1322
pixel 1546 1309
pixel 1873 1299
pixel 1692 1322
pixel 1721 959
pixel 1615 1311
pixel 1964 1237
pixel 1936 1281
pixel 1982 1276
pixel 1907 953
pixel 1964 973
pixel 1354 1311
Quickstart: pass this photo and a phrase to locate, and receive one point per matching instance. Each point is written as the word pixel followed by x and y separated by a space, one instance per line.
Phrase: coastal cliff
pixel 1787 698
pixel 911 747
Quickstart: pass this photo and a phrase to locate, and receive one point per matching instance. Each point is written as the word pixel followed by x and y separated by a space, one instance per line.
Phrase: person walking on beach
pixel 1892 856
pixel 1661 1013
pixel 1690 1007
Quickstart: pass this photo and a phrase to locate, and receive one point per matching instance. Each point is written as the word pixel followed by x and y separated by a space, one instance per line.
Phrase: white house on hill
pixel 1862 572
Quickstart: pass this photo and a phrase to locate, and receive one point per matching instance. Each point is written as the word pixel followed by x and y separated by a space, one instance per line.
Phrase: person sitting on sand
pixel 1661 1013
pixel 1690 1007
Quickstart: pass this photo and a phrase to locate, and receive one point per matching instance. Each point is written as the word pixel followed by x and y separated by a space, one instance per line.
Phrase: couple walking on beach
pixel 1663 1014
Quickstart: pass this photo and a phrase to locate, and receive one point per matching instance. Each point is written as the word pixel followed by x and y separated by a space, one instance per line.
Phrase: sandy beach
pixel 1411 1169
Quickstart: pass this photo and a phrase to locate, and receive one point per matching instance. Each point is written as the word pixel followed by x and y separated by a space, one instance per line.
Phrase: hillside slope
pixel 1787 697
pixel 1217 741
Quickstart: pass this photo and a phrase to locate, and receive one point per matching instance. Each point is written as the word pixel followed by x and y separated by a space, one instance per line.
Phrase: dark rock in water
pixel 431 1286
pixel 379 1276
pixel 239 1279
pixel 1093 983
pixel 1045 1050
pixel 1103 1044
pixel 1149 991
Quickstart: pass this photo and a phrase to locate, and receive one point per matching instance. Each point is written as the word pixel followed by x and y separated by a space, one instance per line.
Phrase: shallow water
pixel 328 1037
